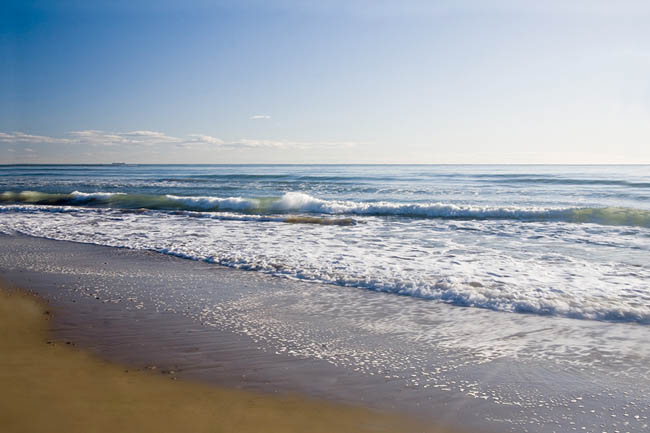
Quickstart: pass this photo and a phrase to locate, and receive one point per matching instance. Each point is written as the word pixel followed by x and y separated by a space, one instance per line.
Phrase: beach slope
pixel 51 386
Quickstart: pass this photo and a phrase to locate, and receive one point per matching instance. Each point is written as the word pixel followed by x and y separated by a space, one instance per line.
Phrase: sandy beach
pixel 49 385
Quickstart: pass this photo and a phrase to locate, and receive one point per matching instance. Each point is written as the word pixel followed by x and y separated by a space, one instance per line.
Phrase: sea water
pixel 523 286
pixel 571 241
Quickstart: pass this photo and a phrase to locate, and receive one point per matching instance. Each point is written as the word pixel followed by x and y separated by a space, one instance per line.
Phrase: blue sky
pixel 353 81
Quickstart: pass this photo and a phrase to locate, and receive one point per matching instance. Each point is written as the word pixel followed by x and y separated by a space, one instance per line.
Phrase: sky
pixel 329 81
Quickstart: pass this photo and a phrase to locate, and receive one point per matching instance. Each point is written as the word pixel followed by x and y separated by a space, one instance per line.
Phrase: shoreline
pixel 142 308
pixel 55 385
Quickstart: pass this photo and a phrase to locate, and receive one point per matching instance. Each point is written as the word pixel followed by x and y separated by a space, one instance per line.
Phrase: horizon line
pixel 127 164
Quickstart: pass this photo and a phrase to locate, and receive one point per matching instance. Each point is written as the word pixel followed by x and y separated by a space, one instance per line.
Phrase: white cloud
pixel 95 137
pixel 259 116
pixel 148 135
pixel 203 139
pixel 27 149
pixel 21 137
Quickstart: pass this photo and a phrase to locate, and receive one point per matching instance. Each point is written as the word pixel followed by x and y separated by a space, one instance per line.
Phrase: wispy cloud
pixel 259 116
pixel 203 139
pixel 21 137
pixel 94 137
pixel 147 138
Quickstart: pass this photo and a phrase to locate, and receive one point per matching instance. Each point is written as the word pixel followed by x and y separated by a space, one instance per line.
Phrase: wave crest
pixel 306 204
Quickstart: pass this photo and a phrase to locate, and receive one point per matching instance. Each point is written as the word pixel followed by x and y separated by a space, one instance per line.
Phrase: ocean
pixel 521 292
pixel 571 241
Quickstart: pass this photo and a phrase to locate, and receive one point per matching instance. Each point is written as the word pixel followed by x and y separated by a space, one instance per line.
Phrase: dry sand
pixel 52 386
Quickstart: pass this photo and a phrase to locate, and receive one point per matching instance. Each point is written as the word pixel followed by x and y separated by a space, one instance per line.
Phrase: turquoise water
pixel 572 241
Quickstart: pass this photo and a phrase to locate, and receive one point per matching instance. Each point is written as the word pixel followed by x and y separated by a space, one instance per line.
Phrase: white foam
pixel 91 195
pixel 539 268
pixel 213 203
pixel 300 202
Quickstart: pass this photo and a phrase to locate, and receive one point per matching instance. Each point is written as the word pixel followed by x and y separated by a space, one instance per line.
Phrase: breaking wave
pixel 296 202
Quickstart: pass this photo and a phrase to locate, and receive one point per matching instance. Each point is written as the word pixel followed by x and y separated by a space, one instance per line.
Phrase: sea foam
pixel 534 267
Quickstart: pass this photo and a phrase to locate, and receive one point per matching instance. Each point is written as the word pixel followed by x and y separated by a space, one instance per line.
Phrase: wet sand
pixel 49 385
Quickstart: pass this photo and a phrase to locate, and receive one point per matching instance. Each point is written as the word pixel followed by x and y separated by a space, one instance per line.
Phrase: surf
pixel 298 202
